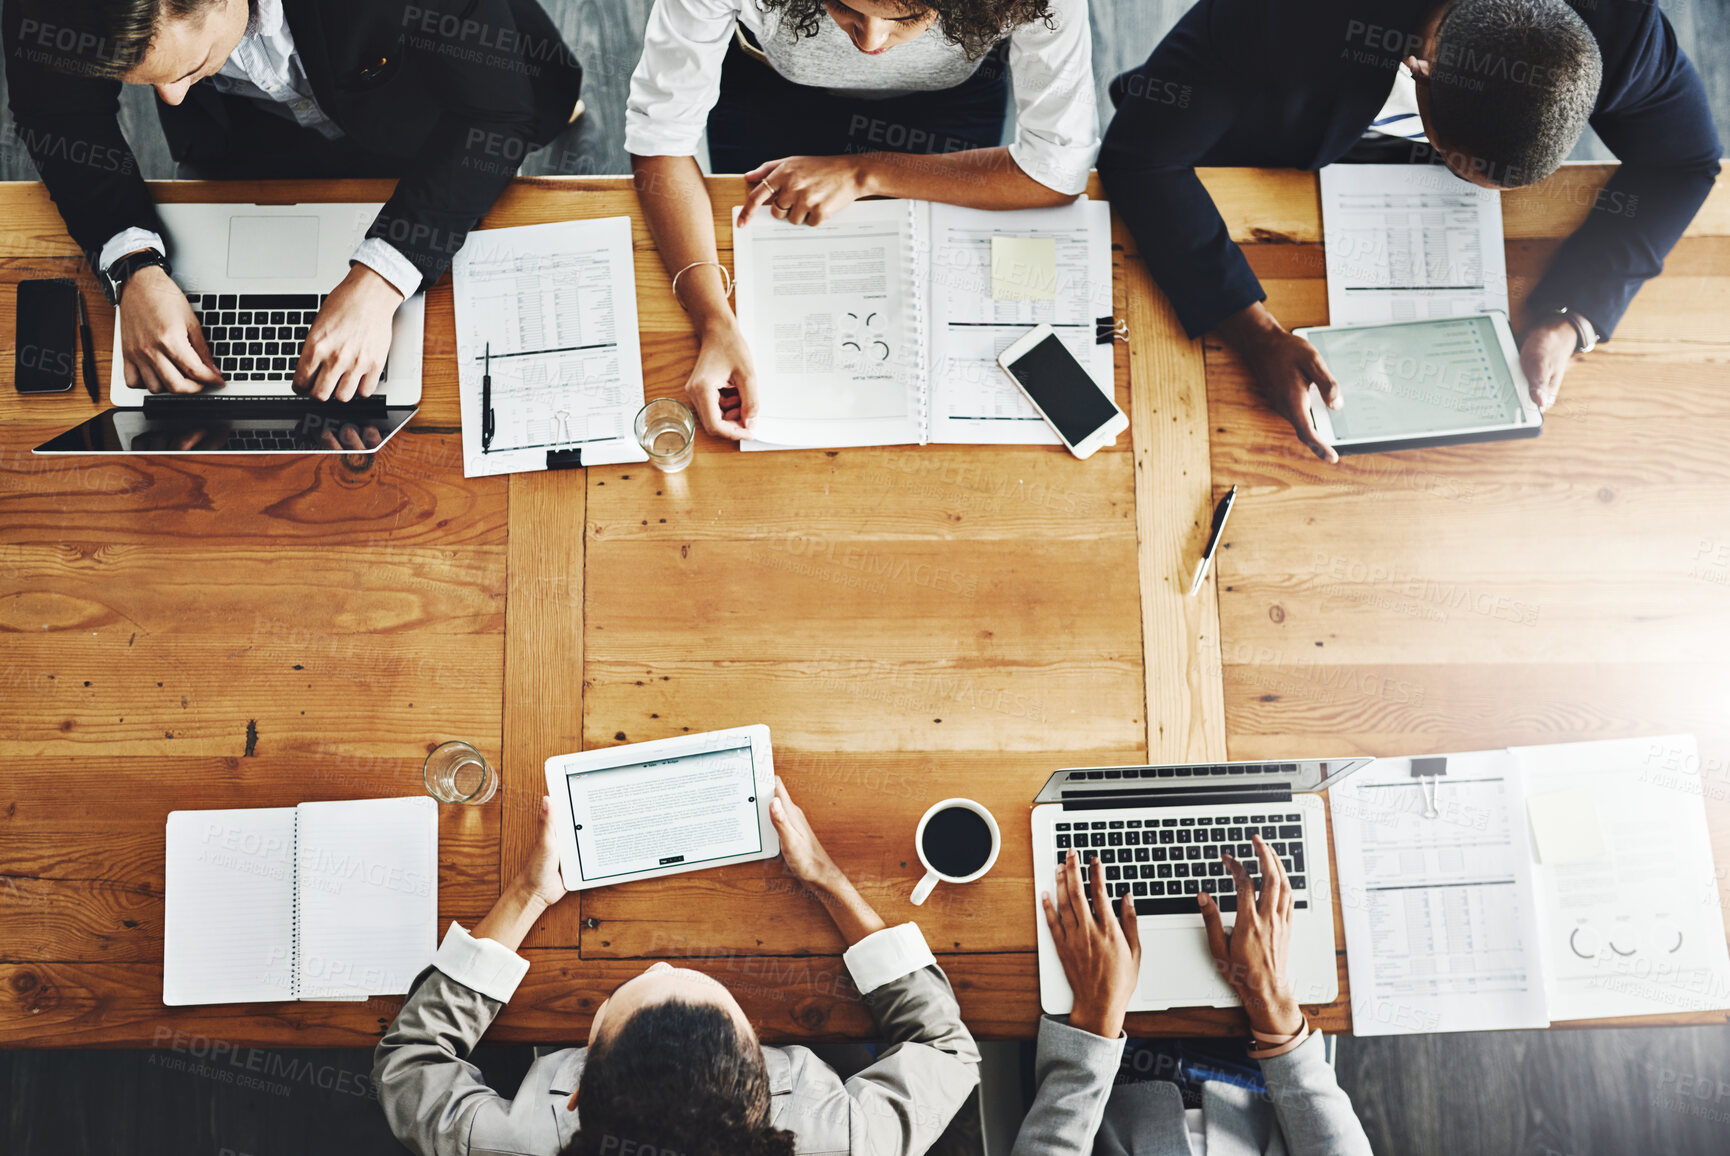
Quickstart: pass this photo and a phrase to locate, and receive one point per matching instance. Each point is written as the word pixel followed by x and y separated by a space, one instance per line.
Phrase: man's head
pixel 1505 87
pixel 674 1066
pixel 168 44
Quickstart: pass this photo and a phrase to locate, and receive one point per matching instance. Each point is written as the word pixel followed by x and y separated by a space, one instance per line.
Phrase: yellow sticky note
pixel 1024 268
pixel 1565 826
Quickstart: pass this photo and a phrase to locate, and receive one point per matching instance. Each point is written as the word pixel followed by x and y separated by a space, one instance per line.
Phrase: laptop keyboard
pixel 1165 863
pixel 255 336
pixel 1104 773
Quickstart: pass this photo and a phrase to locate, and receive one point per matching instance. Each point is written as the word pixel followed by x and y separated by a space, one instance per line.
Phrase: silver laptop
pixel 256 276
pixel 1159 832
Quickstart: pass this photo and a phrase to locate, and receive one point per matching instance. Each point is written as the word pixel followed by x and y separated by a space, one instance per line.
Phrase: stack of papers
pixel 1563 882
pixel 1410 243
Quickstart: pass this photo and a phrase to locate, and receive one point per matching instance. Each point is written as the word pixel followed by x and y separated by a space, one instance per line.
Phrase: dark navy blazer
pixel 1294 83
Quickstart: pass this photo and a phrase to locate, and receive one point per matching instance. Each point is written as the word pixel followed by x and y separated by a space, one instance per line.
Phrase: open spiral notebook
pixel 324 901
pixel 882 325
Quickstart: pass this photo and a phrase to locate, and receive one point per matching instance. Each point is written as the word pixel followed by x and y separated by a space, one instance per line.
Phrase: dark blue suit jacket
pixel 1294 83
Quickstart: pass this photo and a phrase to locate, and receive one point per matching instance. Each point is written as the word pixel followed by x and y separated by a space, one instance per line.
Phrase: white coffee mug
pixel 932 875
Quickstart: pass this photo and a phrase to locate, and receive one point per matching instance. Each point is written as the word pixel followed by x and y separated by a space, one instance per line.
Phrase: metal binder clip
pixel 1121 331
pixel 562 428
pixel 1427 772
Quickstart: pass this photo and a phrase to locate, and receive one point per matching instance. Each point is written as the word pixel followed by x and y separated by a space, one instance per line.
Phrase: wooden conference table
pixel 912 623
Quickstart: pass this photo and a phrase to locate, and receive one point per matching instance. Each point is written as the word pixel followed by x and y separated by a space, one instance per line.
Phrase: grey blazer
pixel 1076 1110
pixel 437 1103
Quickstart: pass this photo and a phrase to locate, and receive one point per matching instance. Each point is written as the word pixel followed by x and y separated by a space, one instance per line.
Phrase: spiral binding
pixel 919 277
pixel 294 919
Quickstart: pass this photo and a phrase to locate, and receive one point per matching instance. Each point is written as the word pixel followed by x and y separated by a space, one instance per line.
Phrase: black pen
pixel 487 400
pixel 89 351
pixel 1220 512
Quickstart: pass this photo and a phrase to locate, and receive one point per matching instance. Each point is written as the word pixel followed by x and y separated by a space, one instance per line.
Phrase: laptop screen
pixel 1196 782
pixel 678 812
pixel 231 427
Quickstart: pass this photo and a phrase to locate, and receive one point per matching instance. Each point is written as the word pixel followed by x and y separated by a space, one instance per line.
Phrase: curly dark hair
pixel 975 25
pixel 676 1078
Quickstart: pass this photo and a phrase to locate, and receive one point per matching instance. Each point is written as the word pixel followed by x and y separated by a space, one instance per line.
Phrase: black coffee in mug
pixel 957 842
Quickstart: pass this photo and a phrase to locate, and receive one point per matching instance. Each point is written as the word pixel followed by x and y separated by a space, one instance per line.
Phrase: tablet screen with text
pixel 677 812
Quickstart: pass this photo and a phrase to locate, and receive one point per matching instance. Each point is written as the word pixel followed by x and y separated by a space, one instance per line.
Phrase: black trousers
pixel 761 115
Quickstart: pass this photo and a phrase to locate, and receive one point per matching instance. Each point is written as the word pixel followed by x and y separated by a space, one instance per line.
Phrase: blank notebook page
pixel 228 930
pixel 368 896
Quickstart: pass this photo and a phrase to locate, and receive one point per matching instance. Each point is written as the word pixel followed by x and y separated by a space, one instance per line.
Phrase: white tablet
pixel 1423 383
pixel 644 810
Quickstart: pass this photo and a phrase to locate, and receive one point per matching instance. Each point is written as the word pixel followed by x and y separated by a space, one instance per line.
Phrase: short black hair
pixel 99 38
pixel 1512 85
pixel 676 1078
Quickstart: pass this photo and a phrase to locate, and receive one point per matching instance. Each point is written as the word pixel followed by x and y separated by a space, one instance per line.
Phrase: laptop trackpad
pixel 273 247
pixel 1177 970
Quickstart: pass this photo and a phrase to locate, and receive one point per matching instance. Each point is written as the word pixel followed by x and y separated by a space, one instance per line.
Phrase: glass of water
pixel 668 434
pixel 457 773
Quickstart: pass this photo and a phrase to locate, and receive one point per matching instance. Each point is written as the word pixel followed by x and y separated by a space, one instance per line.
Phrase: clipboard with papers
pixel 546 320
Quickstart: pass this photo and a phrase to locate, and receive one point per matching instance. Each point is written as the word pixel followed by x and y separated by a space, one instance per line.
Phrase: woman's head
pixel 674 1066
pixel 876 26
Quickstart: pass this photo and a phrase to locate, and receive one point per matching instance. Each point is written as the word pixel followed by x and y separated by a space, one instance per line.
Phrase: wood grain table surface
pixel 911 622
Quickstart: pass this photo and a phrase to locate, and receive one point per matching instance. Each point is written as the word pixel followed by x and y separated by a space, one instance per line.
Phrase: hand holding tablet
pixel 1423 383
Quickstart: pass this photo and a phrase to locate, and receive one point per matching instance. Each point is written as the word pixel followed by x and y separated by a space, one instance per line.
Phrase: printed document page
pixel 683 812
pixel 558 305
pixel 831 313
pixel 1627 893
pixel 1408 243
pixel 1441 935
pixel 972 399
pixel 228 928
pixel 368 895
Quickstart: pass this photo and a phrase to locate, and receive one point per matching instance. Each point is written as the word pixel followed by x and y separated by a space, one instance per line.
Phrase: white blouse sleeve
pixel 678 78
pixel 1056 114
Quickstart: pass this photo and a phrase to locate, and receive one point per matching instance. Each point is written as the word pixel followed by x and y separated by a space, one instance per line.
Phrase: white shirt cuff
pixel 486 965
pixel 885 956
pixel 388 262
pixel 649 138
pixel 129 241
pixel 1060 169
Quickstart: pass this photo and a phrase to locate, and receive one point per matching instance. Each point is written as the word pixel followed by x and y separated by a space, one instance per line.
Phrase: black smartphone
pixel 46 337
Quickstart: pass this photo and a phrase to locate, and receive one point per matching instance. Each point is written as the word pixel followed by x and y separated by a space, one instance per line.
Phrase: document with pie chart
pixel 1514 888
pixel 882 325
